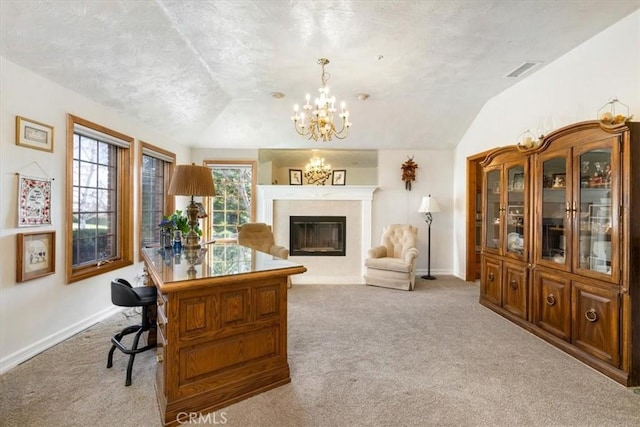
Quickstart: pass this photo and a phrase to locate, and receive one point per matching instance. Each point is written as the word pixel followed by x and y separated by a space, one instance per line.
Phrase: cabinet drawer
pixel 490 283
pixel 514 289
pixel 552 304
pixel 595 313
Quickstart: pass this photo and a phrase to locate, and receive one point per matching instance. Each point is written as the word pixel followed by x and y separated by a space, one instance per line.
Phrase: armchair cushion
pixel 391 264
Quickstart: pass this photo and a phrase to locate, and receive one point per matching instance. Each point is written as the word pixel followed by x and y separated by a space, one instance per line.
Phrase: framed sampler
pixel 32 134
pixel 34 201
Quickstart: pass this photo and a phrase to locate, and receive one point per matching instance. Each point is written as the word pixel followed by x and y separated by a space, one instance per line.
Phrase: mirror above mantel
pixel 360 166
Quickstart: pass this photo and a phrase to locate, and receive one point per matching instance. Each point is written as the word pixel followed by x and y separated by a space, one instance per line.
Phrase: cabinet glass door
pixel 492 213
pixel 595 212
pixel 515 214
pixel 556 213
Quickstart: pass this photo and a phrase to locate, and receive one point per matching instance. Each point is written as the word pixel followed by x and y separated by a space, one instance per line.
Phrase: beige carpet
pixel 359 356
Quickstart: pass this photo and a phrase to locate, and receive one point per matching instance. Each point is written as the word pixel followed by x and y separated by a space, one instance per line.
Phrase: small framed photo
pixel 559 180
pixel 32 134
pixel 295 177
pixel 339 177
pixel 36 255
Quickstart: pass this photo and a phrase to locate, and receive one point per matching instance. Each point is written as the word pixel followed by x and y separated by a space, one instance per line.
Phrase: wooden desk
pixel 222 326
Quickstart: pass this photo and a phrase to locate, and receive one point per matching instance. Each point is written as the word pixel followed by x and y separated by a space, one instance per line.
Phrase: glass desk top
pixel 213 261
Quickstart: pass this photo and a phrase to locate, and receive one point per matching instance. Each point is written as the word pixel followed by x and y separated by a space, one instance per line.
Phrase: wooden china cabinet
pixel 504 265
pixel 569 269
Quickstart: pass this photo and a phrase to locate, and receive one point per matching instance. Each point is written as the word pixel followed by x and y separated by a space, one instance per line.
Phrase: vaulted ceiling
pixel 203 71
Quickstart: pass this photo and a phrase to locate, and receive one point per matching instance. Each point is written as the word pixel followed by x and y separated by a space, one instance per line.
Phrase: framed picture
pixel 295 177
pixel 34 201
pixel 36 255
pixel 32 134
pixel 559 180
pixel 339 177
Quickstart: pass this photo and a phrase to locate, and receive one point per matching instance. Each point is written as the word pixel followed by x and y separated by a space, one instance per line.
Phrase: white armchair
pixel 392 264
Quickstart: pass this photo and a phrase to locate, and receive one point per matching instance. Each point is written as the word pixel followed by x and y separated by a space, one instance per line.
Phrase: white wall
pixel 41 312
pixel 571 89
pixel 393 204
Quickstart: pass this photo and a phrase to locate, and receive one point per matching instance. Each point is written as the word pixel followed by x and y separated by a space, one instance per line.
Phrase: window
pixel 233 204
pixel 99 200
pixel 156 168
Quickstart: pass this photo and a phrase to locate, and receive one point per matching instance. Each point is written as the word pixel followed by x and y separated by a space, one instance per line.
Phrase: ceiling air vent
pixel 523 69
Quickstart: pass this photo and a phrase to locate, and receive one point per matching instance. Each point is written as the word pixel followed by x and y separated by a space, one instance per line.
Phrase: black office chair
pixel 124 295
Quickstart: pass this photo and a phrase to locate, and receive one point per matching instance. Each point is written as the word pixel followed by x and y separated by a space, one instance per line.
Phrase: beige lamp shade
pixel 429 205
pixel 191 180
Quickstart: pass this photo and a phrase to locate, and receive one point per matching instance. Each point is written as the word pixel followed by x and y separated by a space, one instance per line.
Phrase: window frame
pixel 124 204
pixel 207 222
pixel 169 201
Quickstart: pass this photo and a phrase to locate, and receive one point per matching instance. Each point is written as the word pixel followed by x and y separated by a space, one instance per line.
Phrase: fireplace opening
pixel 317 235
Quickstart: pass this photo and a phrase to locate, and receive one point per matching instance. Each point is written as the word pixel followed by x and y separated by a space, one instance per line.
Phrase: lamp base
pixel 428 277
pixel 191 241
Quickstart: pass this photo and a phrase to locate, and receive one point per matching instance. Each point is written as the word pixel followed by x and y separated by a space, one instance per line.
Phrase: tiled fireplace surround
pixel 276 203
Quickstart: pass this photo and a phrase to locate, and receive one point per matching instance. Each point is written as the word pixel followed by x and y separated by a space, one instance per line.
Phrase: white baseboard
pixel 11 361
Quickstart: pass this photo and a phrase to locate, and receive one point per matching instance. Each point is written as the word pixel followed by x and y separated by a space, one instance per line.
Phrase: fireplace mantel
pixel 268 194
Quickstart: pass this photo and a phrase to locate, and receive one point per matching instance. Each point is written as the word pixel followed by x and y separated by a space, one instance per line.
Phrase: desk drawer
pixel 162 306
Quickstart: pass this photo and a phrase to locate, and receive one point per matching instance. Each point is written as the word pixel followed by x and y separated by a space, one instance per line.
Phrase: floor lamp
pixel 428 206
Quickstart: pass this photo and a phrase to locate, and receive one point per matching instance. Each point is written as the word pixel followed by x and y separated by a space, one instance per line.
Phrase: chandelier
pixel 316 172
pixel 319 118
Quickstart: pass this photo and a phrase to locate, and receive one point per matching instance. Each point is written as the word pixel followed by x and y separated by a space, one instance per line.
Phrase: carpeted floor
pixel 359 356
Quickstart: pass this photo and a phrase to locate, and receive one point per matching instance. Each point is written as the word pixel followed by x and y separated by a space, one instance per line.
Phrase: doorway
pixel 474 215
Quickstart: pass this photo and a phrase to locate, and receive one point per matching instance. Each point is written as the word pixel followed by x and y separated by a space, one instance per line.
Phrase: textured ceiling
pixel 202 71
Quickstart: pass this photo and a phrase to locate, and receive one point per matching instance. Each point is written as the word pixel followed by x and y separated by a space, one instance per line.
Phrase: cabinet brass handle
pixel 551 300
pixel 513 284
pixel 591 315
pixel 568 210
pixel 491 277
pixel 159 358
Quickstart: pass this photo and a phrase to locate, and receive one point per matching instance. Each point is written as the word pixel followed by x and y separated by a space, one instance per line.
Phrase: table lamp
pixel 428 206
pixel 192 180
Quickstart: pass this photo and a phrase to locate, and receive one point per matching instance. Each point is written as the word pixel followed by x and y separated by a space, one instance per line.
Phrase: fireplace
pixel 278 203
pixel 317 235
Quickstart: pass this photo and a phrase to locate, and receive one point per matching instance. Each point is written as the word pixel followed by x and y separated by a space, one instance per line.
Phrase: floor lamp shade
pixel 192 180
pixel 428 206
